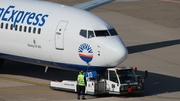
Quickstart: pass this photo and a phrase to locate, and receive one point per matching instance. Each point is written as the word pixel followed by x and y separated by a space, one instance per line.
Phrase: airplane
pixel 58 36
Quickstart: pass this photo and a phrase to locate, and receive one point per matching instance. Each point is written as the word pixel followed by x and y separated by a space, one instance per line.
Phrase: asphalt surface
pixel 150 30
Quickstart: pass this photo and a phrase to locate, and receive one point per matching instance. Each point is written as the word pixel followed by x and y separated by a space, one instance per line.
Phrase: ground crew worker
pixel 81 85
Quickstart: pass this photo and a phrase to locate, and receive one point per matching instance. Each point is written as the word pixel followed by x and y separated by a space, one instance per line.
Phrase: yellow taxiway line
pixel 23 81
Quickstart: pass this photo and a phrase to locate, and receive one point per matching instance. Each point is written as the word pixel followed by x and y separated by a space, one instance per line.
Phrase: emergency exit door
pixel 59 35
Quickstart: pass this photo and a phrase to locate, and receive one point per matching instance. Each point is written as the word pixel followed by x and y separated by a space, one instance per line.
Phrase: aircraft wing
pixel 89 5
pixel 92 4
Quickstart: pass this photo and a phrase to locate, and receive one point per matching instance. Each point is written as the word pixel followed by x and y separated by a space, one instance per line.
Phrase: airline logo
pixel 85 52
pixel 10 14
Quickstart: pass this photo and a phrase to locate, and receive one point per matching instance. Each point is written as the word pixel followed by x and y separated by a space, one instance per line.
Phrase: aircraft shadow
pixel 29 70
pixel 151 46
pixel 159 83
pixel 154 84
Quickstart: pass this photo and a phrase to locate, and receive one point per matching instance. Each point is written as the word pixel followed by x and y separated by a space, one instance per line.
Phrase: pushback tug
pixel 122 80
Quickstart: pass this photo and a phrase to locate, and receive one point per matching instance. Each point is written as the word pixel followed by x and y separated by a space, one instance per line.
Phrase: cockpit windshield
pixel 102 33
pixel 126 76
pixel 110 32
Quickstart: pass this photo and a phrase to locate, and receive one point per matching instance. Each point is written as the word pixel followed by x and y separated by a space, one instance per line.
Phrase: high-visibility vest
pixel 80 80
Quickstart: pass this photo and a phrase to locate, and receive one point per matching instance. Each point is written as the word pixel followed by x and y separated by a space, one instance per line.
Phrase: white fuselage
pixel 48 34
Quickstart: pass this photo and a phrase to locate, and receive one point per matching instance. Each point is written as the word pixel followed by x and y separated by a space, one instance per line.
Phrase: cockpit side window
pixel 101 33
pixel 113 32
pixel 83 33
pixel 90 34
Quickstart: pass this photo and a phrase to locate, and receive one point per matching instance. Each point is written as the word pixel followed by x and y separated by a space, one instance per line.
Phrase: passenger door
pixel 59 35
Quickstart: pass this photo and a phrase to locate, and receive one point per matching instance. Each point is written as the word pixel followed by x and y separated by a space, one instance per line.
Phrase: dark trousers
pixel 81 90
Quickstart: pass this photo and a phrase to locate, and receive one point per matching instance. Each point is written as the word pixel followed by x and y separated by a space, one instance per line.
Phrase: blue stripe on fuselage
pixel 50 63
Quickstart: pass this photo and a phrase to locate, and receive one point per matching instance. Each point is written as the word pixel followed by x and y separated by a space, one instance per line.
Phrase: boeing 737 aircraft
pixel 59 36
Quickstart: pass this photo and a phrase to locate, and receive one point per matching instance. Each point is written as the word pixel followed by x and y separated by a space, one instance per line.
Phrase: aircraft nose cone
pixel 115 52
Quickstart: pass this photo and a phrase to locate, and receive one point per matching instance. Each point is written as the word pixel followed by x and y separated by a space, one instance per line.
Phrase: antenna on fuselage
pixel 88 66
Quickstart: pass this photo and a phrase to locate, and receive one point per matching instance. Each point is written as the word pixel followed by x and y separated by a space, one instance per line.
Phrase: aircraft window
pixel 16 27
pixel 39 31
pixel 6 25
pixel 101 33
pixel 29 30
pixel 11 27
pixel 34 30
pixel 90 34
pixel 83 33
pixel 25 28
pixel 20 28
pixel 113 32
pixel 2 25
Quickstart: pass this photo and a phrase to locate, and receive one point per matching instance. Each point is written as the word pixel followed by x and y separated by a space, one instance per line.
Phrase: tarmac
pixel 150 30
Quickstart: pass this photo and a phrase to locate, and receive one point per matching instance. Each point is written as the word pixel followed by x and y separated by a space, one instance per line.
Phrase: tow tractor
pixel 121 80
